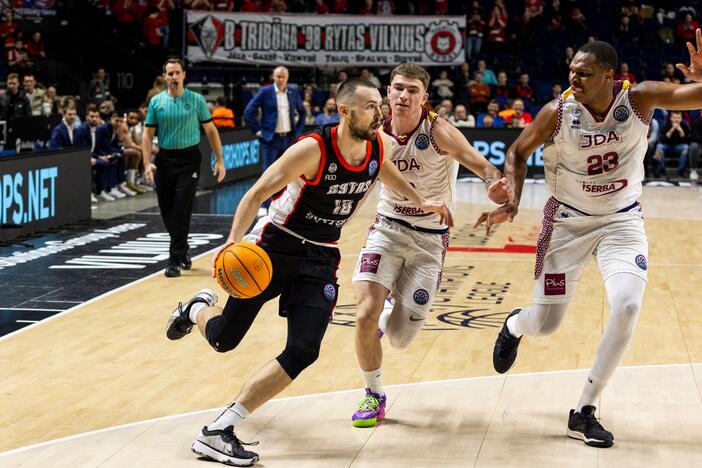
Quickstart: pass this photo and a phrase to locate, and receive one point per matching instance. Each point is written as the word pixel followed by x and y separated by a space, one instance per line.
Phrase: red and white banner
pixel 324 40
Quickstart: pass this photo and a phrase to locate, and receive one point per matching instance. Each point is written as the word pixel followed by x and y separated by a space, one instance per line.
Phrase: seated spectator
pixel 442 112
pixel 685 32
pixel 625 74
pixel 443 86
pixel 488 75
pixel 386 110
pixel 222 116
pixel 695 146
pixel 653 135
pixel 627 32
pixel 502 89
pixel 461 82
pixel 556 91
pixel 523 89
pixel 669 74
pixel 479 93
pixel 674 141
pixel 492 113
pixel 35 47
pixel 8 27
pixel 99 87
pixel 13 103
pixel 328 114
pixel 34 93
pixel 17 58
pixel 64 135
pixel 309 115
pixel 366 74
pixel 447 104
pixel 86 132
pixel 461 117
pixel 107 148
pixel 518 118
pixel 487 122
pixel 50 105
pixel 321 7
pixel 135 126
pixel 568 55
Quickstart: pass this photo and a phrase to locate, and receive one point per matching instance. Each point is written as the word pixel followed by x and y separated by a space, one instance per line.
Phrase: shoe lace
pixel 591 422
pixel 231 438
pixel 369 403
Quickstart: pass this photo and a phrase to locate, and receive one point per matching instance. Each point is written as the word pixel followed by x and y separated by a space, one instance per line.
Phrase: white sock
pixel 195 309
pixel 591 391
pixel 372 379
pixel 512 326
pixel 131 175
pixel 231 416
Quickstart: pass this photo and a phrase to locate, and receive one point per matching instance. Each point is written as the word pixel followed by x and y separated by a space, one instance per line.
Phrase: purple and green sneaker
pixel 371 410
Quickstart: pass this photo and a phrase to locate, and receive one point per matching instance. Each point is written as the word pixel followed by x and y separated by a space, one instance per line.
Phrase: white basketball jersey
pixel 596 165
pixel 431 171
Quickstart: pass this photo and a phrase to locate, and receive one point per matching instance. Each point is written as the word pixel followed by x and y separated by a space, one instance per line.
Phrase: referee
pixel 176 115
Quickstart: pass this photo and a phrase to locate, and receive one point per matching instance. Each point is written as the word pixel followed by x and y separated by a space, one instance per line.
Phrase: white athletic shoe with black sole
pixel 585 426
pixel 179 323
pixel 224 446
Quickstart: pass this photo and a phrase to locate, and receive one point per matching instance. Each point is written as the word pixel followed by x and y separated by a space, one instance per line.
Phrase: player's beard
pixel 358 132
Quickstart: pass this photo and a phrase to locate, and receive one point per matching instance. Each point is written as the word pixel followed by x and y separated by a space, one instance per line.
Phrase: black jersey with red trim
pixel 317 209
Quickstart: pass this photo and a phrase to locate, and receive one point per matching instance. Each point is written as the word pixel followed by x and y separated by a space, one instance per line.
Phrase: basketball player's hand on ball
pixel 439 207
pixel 217 254
pixel 694 71
pixel 506 212
pixel 149 170
pixel 500 191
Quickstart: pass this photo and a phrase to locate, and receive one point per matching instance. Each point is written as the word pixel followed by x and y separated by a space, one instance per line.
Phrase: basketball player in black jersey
pixel 318 183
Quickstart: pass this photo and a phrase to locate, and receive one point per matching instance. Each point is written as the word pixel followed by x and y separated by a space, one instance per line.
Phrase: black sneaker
pixel 586 427
pixel 172 270
pixel 224 447
pixel 179 323
pixel 186 262
pixel 505 351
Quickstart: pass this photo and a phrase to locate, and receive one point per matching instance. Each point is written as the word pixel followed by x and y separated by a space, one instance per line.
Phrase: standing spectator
pixel 474 35
pixel 479 93
pixel 152 24
pixel 674 141
pixel 50 105
pixel 35 47
pixel 523 89
pixel 8 27
pixel 34 93
pixel 277 128
pixel 321 7
pixel 17 58
pixel 497 29
pixel 444 86
pixel 461 117
pixel 502 89
pixel 496 121
pixel 99 87
pixel 488 75
pixel 329 113
pixel 13 104
pixel 63 135
pixel 695 147
pixel 177 165
pixel 222 116
pixel 625 74
pixel 518 118
pixel 310 116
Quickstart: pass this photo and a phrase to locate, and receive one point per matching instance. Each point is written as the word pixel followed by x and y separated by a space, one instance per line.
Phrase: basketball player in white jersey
pixel 595 142
pixel 405 248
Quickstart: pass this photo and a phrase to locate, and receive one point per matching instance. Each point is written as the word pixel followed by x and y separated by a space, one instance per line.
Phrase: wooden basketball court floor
pixel 100 385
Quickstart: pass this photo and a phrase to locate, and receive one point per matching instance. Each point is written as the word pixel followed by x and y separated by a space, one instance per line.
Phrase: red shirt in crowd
pixel 152 23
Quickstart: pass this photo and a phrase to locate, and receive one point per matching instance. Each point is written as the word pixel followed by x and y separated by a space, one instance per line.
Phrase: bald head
pixel 280 77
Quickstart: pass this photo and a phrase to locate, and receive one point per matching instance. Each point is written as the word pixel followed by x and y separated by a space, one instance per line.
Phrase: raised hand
pixel 694 70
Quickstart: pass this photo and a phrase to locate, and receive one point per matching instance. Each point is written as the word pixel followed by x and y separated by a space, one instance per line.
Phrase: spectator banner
pixel 240 149
pixel 43 190
pixel 493 144
pixel 324 40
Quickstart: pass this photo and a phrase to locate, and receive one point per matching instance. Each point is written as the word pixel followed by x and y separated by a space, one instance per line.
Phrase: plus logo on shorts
pixel 370 262
pixel 554 284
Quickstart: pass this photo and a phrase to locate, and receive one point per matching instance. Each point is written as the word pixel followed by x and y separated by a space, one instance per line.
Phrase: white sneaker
pixel 694 175
pixel 262 212
pixel 125 190
pixel 106 196
pixel 116 194
pixel 92 198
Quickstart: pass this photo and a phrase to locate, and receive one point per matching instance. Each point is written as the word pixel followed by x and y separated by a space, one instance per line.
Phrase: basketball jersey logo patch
pixel 370 262
pixel 621 113
pixel 421 296
pixel 422 142
pixel 554 284
pixel 641 262
pixel 330 291
pixel 372 167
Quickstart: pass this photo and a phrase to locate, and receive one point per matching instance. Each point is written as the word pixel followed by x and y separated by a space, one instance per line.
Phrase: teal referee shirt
pixel 177 120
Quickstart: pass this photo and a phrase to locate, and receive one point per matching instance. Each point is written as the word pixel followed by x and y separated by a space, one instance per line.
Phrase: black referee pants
pixel 176 176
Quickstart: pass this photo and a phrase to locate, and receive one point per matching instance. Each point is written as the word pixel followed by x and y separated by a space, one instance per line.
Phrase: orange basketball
pixel 243 270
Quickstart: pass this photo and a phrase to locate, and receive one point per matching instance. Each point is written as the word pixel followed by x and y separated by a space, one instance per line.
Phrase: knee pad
pixel 217 337
pixel 295 359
